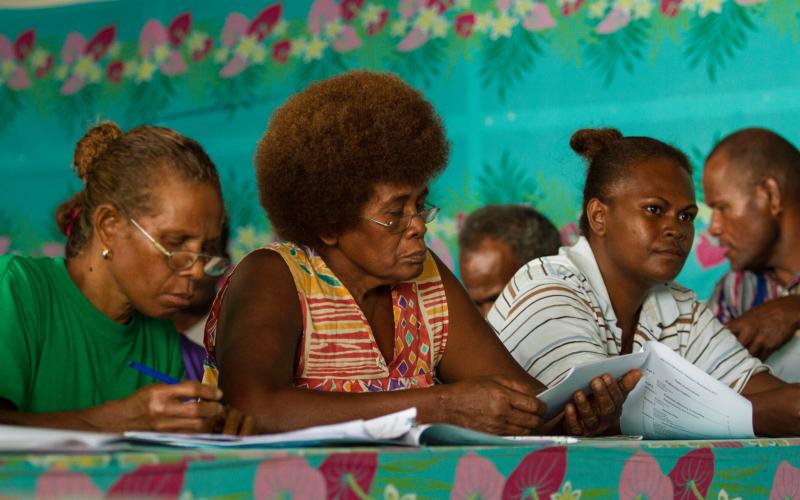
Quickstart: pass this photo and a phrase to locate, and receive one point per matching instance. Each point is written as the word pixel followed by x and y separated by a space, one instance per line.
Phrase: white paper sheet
pixel 677 400
pixel 397 429
pixel 37 439
pixel 785 362
pixel 385 428
pixel 579 377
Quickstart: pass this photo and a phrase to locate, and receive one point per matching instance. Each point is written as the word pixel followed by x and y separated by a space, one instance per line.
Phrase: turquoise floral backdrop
pixel 512 80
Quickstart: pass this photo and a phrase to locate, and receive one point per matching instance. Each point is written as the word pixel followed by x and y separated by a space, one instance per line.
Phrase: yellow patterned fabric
pixel 338 351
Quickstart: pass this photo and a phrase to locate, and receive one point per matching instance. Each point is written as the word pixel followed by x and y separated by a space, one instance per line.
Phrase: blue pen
pixel 161 377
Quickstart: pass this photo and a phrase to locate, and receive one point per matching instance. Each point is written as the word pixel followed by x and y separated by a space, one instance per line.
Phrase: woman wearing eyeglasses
pixel 353 316
pixel 137 236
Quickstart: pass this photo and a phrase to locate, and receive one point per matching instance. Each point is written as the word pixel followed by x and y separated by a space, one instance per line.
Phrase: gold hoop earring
pixel 106 254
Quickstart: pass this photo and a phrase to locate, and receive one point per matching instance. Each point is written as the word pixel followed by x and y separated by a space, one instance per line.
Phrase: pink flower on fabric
pixel 280 51
pixel 670 8
pixel 178 28
pixel 83 56
pixel 570 7
pixel 325 12
pixel 464 24
pixel 346 472
pixel 151 480
pixel 540 472
pixel 476 477
pixel 201 53
pixel 114 71
pixel 5 242
pixel 350 9
pixel 615 20
pixel 289 476
pixel 539 19
pixel 407 8
pixel 161 44
pixel 16 54
pixel 692 474
pixel 375 27
pixel 642 478
pixel 415 39
pixel 708 252
pixel 786 483
pixel 60 483
pixel 24 45
pixel 44 68
pixel 244 37
pixel 441 5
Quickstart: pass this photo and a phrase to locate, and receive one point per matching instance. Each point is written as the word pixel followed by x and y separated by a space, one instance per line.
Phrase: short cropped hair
pixel 328 147
pixel 528 233
pixel 759 153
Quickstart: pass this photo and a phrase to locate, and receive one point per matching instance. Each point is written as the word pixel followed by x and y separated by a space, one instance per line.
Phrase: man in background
pixel 494 242
pixel 751 181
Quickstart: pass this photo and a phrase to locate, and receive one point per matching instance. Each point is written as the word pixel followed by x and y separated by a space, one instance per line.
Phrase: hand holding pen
pixel 164 407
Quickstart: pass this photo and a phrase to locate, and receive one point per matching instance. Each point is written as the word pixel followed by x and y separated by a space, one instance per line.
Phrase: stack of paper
pixel 674 399
pixel 398 429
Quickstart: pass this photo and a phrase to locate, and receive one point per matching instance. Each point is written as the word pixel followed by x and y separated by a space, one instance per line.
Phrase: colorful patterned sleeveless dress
pixel 338 351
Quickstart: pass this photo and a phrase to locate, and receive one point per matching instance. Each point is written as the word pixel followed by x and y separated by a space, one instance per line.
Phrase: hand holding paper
pixel 596 413
pixel 674 399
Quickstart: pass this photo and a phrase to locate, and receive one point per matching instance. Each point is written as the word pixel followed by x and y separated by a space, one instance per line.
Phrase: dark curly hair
pixel 121 169
pixel 328 146
pixel 609 154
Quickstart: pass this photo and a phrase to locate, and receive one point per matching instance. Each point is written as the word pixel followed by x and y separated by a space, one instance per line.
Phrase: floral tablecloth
pixel 597 469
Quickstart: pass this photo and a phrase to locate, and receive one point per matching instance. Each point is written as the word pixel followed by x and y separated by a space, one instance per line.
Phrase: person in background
pixel 613 291
pixel 191 320
pixel 139 235
pixel 359 316
pixel 494 242
pixel 751 182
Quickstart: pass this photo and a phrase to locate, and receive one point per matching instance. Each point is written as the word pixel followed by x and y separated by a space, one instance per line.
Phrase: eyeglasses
pixel 180 260
pixel 398 224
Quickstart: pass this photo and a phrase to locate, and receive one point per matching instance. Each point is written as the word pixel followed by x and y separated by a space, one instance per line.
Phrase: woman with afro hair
pixel 335 323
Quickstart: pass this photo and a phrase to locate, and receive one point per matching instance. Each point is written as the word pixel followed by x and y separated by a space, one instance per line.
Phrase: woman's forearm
pixel 288 409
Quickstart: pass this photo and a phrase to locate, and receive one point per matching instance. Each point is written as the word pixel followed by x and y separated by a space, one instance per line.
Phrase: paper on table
pixel 578 378
pixel 396 429
pixel 677 400
pixel 385 428
pixel 37 439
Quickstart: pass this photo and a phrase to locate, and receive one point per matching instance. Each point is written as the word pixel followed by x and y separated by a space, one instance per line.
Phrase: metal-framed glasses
pixel 399 224
pixel 180 260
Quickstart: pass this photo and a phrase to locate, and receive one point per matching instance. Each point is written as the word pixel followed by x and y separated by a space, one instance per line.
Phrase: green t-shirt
pixel 59 353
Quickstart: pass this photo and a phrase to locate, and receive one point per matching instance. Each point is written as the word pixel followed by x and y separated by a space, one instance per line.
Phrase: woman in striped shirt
pixel 612 291
pixel 353 309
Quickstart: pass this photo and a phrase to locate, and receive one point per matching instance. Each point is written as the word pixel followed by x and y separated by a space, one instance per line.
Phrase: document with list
pixel 677 400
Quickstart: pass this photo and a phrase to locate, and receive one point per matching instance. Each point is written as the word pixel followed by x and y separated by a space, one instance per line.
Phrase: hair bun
pixel 92 145
pixel 589 142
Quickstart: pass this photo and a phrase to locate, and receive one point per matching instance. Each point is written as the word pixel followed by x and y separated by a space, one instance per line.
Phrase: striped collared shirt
pixel 555 313
pixel 738 292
